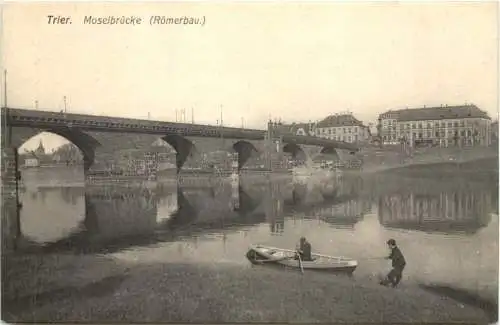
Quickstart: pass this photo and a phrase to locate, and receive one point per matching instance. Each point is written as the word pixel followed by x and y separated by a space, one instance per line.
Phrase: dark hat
pixel 391 242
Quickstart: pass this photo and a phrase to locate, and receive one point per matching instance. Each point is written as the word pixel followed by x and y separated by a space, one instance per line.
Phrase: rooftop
pixel 438 113
pixel 339 120
pixel 307 127
pixel 294 127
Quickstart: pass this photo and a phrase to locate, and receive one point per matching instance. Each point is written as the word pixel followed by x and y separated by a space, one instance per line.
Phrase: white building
pixel 343 127
pixel 444 126
pixel 31 162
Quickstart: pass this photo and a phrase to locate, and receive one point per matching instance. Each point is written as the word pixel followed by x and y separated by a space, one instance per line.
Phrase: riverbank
pixel 388 159
pixel 480 170
pixel 100 288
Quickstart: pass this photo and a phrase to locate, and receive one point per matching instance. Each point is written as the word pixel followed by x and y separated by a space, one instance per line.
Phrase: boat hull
pixel 259 255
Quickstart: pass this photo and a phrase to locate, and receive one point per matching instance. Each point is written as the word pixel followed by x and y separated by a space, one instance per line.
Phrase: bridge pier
pixel 10 223
pixel 9 171
pixel 10 178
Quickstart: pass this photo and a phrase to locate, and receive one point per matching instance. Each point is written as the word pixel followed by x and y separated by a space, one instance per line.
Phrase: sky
pixel 293 61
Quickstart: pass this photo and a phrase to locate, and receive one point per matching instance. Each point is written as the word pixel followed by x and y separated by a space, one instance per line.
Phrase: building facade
pixel 444 126
pixel 343 127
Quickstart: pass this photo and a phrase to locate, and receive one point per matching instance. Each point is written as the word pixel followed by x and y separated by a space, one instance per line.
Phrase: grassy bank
pixel 73 288
pixel 477 170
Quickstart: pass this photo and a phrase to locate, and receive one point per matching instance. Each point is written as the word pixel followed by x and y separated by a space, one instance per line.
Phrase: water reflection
pixel 87 219
pixel 440 208
pixel 111 218
pixel 94 218
pixel 50 213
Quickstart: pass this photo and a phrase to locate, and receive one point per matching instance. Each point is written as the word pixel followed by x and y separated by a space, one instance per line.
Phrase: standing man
pixel 398 265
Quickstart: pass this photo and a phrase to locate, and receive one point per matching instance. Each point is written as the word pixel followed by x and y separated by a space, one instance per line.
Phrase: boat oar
pixel 373 258
pixel 300 263
pixel 377 258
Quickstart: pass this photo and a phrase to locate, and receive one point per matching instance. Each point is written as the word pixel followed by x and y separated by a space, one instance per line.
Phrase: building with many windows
pixel 343 127
pixel 445 126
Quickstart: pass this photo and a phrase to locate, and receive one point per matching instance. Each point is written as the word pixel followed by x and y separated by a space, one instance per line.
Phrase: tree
pixel 68 153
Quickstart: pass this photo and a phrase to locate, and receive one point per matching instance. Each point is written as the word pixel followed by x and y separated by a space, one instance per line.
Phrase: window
pixel 437 134
pixel 349 129
pixel 462 123
pixel 329 131
pixel 333 131
pixel 419 125
pixel 413 125
pixel 450 124
pixel 429 125
pixel 455 124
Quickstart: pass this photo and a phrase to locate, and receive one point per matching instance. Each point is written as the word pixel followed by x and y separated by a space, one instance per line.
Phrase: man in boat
pixel 398 265
pixel 304 250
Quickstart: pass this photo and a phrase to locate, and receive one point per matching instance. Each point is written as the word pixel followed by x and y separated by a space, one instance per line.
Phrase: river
pixel 448 231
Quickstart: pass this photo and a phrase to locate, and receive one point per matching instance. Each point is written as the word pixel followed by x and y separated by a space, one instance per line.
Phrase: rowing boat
pixel 259 254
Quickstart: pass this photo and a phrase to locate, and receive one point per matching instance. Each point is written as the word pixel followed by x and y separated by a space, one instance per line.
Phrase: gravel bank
pixel 101 289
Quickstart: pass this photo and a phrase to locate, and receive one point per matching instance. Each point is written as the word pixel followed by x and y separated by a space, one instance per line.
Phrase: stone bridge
pixel 106 142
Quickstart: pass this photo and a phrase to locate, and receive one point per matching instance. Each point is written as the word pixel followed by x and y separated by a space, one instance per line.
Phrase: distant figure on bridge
pixel 304 250
pixel 398 265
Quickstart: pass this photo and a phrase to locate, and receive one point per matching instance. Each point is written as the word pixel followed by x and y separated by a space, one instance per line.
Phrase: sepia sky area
pixel 293 61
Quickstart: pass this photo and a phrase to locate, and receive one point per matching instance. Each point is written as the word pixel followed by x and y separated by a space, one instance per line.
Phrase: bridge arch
pixel 84 142
pixel 182 146
pixel 330 151
pixel 296 151
pixel 245 150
